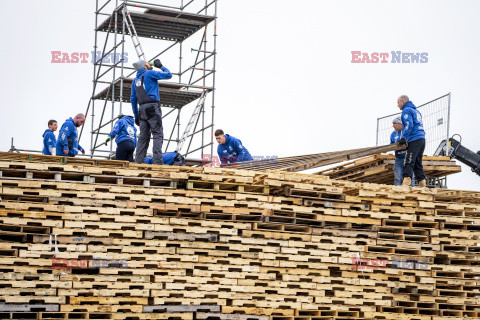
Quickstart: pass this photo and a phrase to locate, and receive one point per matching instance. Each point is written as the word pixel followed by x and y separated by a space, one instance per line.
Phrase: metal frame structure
pixel 447 128
pixel 171 27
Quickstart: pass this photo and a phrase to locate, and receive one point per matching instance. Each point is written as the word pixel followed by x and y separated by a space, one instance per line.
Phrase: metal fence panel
pixel 436 121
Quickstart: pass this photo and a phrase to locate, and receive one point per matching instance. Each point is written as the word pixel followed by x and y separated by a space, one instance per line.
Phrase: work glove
pixel 83 151
pixel 108 140
pixel 137 122
pixel 157 63
pixel 402 142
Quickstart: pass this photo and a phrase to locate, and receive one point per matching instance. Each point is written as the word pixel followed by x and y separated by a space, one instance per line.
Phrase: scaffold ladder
pixel 193 120
pixel 133 34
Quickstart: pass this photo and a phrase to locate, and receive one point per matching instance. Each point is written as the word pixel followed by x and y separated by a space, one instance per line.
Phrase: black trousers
pixel 150 125
pixel 125 151
pixel 413 160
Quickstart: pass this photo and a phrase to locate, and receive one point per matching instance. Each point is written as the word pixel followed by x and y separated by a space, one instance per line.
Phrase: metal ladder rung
pixel 192 121
pixel 133 34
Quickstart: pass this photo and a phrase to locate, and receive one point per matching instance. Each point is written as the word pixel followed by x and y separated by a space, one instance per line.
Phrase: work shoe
pixel 407 181
pixel 422 183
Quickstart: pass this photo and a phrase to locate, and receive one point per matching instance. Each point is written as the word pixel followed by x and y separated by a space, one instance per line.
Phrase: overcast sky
pixel 285 82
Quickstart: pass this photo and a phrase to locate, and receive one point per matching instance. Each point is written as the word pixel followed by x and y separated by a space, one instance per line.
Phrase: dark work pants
pixel 150 124
pixel 413 160
pixel 125 150
pixel 398 172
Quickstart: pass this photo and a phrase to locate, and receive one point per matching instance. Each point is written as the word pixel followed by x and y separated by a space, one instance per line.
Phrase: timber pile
pixel 310 161
pixel 379 169
pixel 159 242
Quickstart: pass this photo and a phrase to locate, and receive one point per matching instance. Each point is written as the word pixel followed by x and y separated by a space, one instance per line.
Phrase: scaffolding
pixel 182 30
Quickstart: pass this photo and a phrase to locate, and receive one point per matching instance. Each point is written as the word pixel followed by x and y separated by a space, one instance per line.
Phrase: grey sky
pixel 285 81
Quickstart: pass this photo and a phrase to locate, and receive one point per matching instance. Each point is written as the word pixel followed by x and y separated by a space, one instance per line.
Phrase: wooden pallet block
pixel 226 316
pixel 397 316
pixel 275 235
pixel 330 194
pixel 8 297
pixel 226 187
pixel 4 307
pixel 102 308
pixel 257 311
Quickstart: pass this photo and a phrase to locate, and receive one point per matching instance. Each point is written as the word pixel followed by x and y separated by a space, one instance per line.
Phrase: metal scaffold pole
pixel 214 79
pixel 93 84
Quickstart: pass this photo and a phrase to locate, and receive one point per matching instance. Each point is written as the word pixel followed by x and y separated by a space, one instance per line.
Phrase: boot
pixel 422 183
pixel 407 181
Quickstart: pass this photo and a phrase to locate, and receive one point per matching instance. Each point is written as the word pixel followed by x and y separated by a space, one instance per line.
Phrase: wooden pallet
pixel 379 169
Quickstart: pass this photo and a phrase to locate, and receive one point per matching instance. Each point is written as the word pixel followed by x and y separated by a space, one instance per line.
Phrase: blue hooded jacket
pixel 394 138
pixel 68 131
pixel 150 84
pixel 412 123
pixel 168 158
pixel 233 151
pixel 124 129
pixel 49 142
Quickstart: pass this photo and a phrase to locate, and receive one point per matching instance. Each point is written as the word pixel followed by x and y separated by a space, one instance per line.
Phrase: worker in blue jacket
pixel 414 138
pixel 126 138
pixel 67 142
pixel 49 140
pixel 399 165
pixel 230 149
pixel 169 158
pixel 148 115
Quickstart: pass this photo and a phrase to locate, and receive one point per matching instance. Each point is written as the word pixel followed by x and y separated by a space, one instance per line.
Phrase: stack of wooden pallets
pixel 379 168
pixel 89 239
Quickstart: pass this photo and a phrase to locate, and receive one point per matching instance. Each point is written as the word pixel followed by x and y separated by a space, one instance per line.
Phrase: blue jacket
pixel 124 129
pixel 49 142
pixel 68 131
pixel 168 158
pixel 150 84
pixel 394 138
pixel 412 123
pixel 233 151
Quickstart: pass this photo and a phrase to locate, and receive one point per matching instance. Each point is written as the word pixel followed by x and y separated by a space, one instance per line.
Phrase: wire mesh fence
pixel 436 121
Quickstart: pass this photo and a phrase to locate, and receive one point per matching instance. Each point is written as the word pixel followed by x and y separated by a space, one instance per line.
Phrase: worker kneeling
pixel 414 135
pixel 126 138
pixel 169 158
pixel 230 149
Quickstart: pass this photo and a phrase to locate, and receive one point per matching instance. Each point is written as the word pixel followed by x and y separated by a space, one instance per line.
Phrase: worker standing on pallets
pixel 126 138
pixel 399 165
pixel 148 116
pixel 67 142
pixel 49 140
pixel 414 138
pixel 230 149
